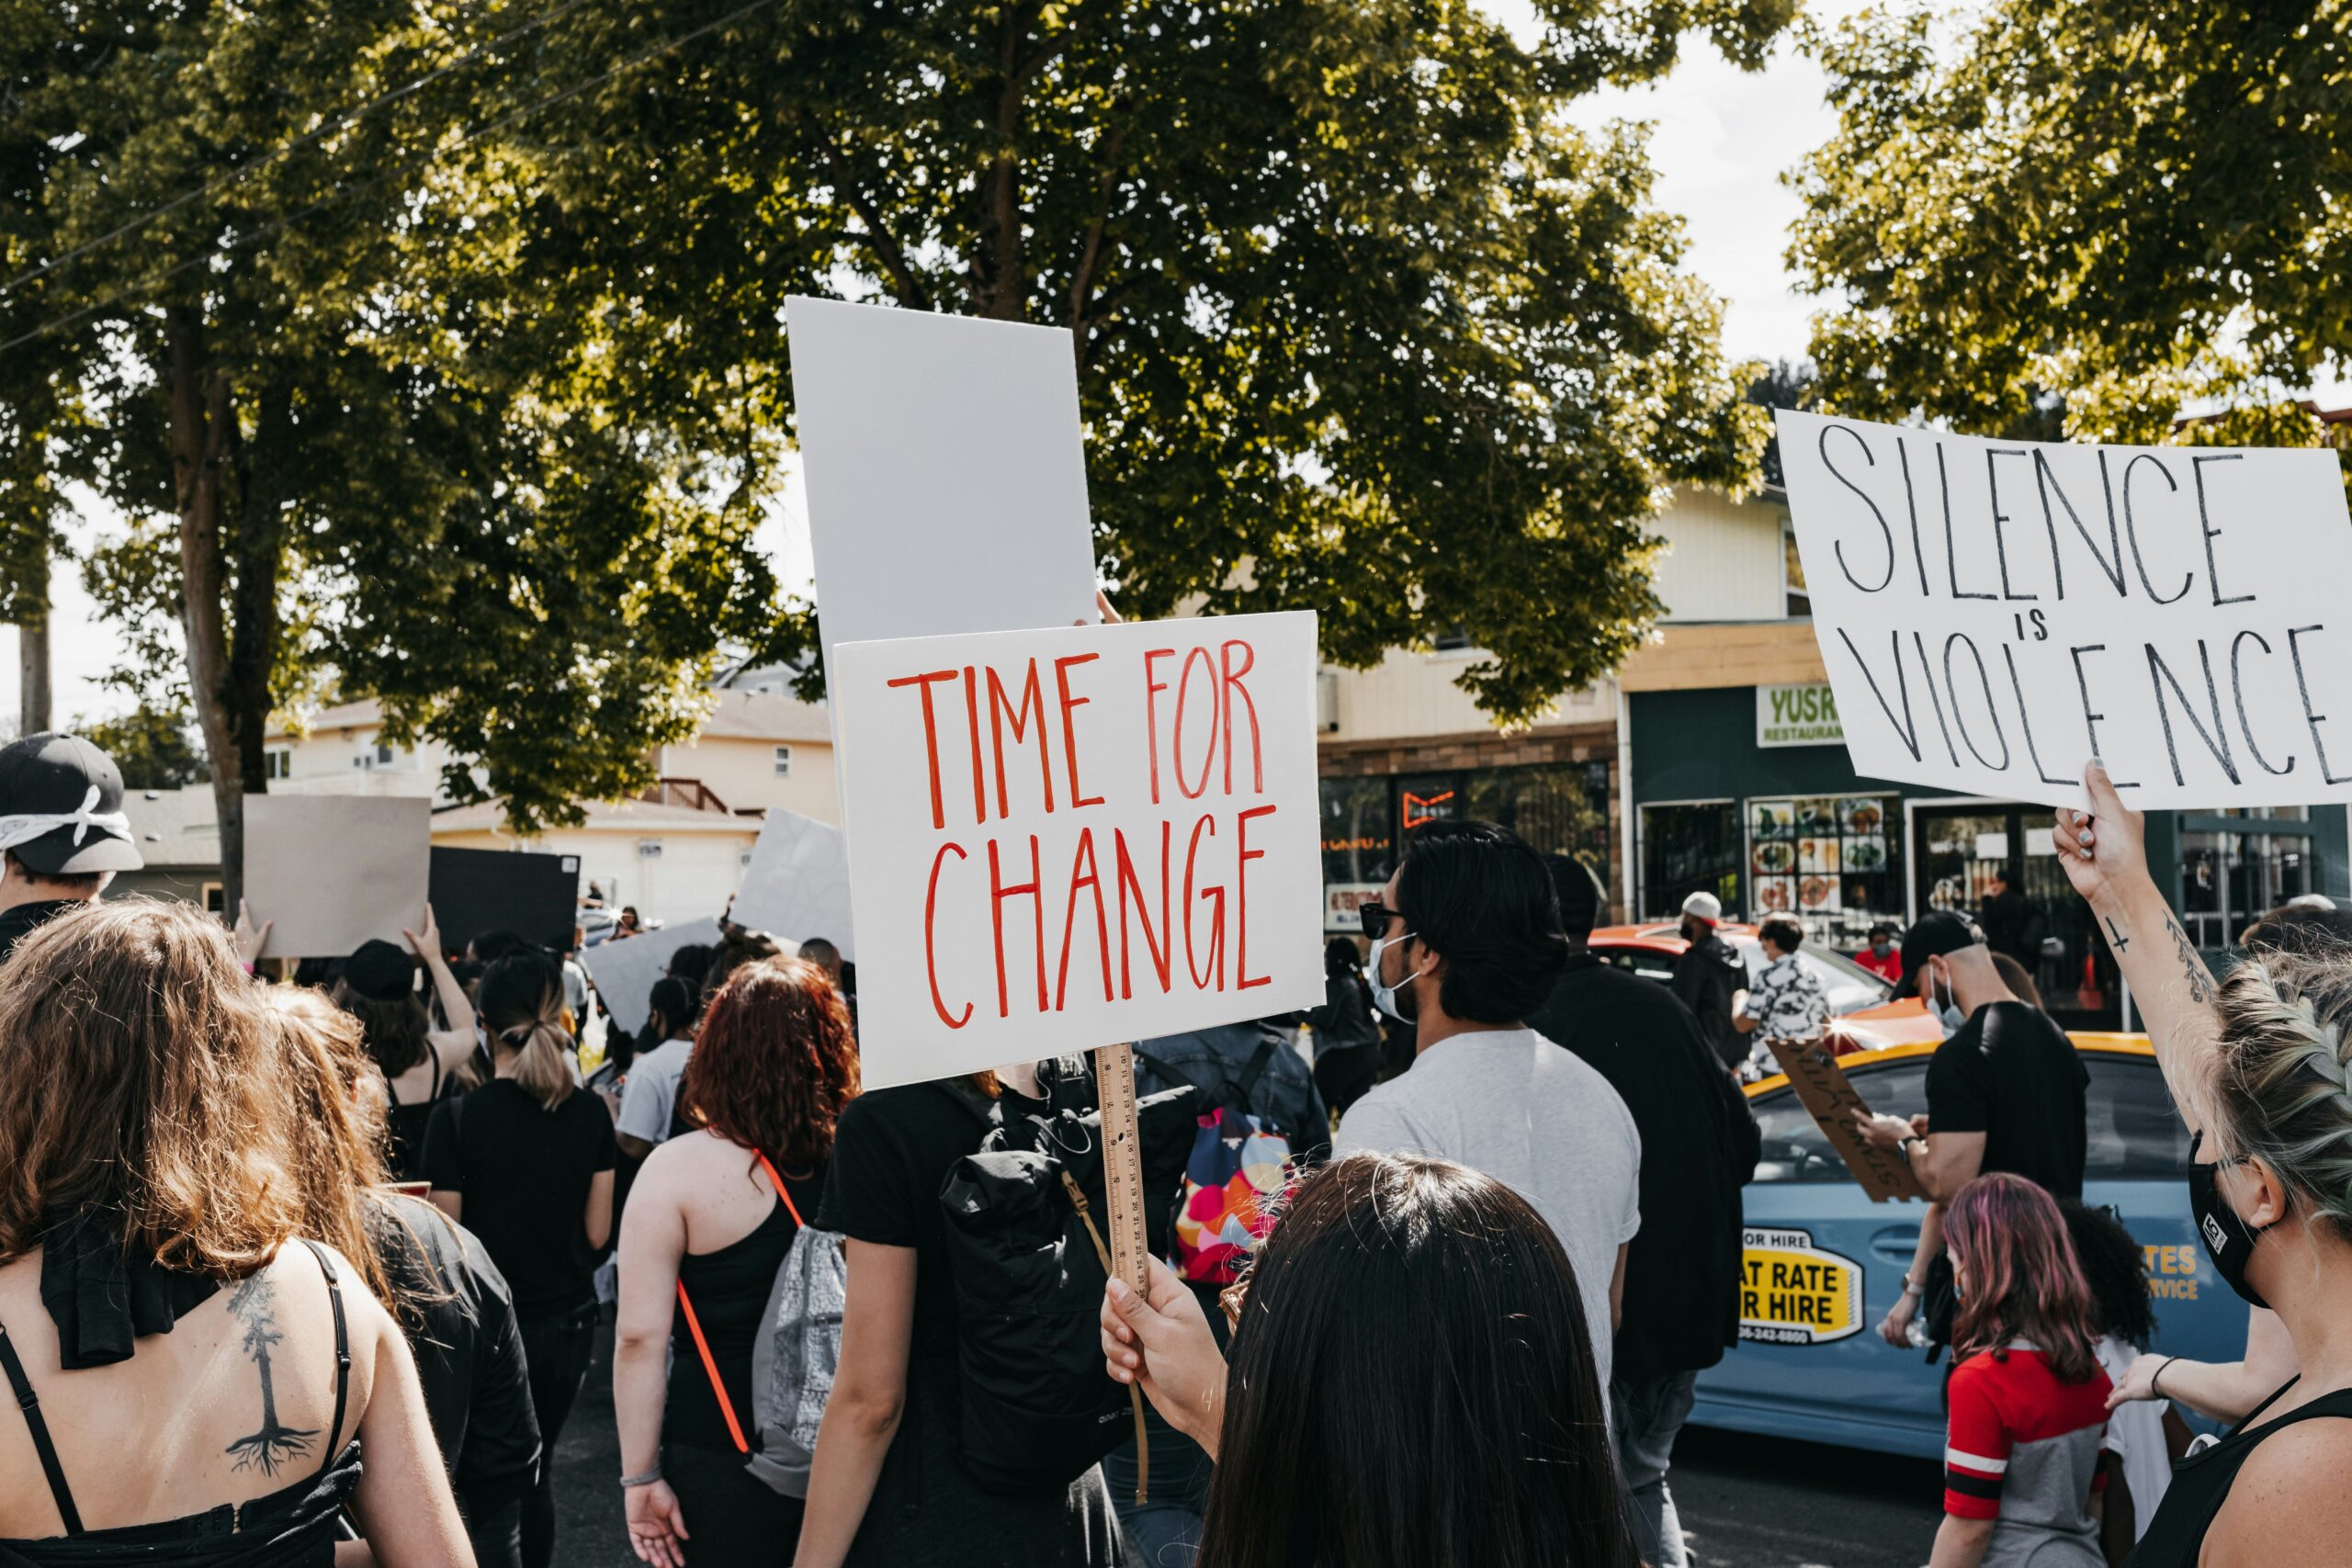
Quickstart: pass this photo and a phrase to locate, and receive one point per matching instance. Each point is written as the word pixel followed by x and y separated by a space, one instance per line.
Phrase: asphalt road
pixel 1746 1502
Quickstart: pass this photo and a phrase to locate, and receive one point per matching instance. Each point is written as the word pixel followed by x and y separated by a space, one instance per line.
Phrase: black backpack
pixel 1025 1226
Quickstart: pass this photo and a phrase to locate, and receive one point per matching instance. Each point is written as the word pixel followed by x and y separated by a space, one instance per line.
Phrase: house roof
pixel 762 715
pixel 338 715
pixel 620 816
pixel 173 827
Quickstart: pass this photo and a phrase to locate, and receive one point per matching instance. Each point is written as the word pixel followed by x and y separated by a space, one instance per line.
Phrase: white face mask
pixel 1946 1009
pixel 1385 996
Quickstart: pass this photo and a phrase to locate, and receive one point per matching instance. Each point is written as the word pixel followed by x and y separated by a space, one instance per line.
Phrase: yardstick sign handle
pixel 1114 1078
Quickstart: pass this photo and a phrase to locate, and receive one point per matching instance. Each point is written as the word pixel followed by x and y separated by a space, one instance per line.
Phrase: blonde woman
pixel 172 1349
pixel 525 1163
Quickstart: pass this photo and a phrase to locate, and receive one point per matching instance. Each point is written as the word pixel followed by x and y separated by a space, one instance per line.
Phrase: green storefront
pixel 1747 791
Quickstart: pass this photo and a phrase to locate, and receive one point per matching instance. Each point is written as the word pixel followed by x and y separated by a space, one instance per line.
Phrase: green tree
pixel 2098 214
pixel 354 448
pixel 1363 325
pixel 150 745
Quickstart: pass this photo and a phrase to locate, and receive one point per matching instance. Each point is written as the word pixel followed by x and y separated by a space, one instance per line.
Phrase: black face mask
pixel 2229 1240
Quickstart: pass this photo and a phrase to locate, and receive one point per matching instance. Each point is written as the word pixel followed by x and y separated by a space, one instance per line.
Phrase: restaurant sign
pixel 1798 715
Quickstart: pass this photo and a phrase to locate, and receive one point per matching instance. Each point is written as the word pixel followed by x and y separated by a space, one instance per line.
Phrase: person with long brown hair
pixel 709 1221
pixel 149 1135
pixel 1411 1381
pixel 2026 1403
pixel 446 1295
pixel 421 1065
pixel 526 1162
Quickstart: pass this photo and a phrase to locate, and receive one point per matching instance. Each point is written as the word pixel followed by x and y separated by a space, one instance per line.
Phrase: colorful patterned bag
pixel 1238 1168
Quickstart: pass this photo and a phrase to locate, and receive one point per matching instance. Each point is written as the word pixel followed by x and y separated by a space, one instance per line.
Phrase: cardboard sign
pixel 535 895
pixel 797 883
pixel 1792 1293
pixel 1065 838
pixel 1994 614
pixel 1832 1099
pixel 330 872
pixel 947 479
pixel 624 971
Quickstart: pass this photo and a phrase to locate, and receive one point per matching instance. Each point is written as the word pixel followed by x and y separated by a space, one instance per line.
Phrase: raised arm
pixel 2105 856
pixel 456 1011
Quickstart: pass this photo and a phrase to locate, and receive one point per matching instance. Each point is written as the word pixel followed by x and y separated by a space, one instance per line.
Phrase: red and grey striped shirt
pixel 2022 1448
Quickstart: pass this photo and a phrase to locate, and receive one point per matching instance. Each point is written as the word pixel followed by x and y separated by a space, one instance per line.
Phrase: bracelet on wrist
pixel 2155 1379
pixel 647 1479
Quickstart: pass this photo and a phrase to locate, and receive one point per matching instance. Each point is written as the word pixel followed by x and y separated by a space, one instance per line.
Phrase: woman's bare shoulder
pixel 2289 1493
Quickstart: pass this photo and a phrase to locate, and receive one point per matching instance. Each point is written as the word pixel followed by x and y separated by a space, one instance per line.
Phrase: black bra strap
pixel 342 1354
pixel 30 1403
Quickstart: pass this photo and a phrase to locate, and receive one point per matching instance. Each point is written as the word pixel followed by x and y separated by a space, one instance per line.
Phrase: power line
pixel 212 252
pixel 244 172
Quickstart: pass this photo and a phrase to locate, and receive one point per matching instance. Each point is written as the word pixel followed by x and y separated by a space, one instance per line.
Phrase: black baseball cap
pixel 64 776
pixel 380 970
pixel 1933 935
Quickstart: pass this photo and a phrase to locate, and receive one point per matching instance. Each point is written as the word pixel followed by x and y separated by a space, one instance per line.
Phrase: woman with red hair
pixel 2027 1403
pixel 715 1211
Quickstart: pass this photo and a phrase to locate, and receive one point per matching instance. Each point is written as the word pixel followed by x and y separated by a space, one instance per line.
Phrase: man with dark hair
pixel 62 833
pixel 1466 942
pixel 1788 1002
pixel 1682 1273
pixel 2006 1092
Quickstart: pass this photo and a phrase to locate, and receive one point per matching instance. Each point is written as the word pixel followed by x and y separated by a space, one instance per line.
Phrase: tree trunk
pixel 202 424
pixel 32 664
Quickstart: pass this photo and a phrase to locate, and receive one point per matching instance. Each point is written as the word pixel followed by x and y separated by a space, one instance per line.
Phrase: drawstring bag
pixel 1238 1168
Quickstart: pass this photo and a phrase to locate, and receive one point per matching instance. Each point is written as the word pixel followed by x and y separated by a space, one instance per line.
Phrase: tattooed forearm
pixel 276 1442
pixel 2115 936
pixel 2200 980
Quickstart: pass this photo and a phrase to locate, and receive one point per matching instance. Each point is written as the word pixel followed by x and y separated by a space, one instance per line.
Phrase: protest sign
pixel 1832 1100
pixel 1994 614
pixel 1066 838
pixel 797 883
pixel 624 971
pixel 329 872
pixel 535 895
pixel 946 475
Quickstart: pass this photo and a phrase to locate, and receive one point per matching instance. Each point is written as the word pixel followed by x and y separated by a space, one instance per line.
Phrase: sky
pixel 1722 138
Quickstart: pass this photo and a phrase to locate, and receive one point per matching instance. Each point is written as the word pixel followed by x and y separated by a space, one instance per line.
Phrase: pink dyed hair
pixel 2024 1280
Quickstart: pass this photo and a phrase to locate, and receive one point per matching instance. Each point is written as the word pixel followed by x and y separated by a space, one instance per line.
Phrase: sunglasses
pixel 1375 919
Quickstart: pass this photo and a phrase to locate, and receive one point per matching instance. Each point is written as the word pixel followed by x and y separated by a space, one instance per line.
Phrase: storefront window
pixel 1560 808
pixel 1689 848
pixel 1828 860
pixel 2228 879
pixel 1358 847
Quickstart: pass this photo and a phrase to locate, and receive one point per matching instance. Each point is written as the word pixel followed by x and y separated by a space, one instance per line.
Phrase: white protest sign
pixel 1994 614
pixel 625 970
pixel 1074 836
pixel 947 479
pixel 797 883
pixel 329 872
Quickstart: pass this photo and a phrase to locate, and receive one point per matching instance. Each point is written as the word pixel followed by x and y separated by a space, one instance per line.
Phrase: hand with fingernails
pixel 1164 1345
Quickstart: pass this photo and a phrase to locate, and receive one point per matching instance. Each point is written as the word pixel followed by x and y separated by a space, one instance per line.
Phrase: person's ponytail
pixel 522 1005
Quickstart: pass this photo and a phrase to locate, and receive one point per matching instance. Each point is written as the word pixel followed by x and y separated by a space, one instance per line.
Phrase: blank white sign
pixel 625 970
pixel 330 872
pixel 797 883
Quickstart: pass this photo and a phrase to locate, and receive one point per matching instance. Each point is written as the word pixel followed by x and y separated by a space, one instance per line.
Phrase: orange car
pixel 1865 1014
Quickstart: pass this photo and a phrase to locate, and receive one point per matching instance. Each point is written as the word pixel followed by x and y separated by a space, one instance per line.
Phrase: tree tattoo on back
pixel 276 1442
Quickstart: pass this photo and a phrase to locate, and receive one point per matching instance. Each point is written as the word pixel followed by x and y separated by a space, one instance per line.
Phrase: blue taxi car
pixel 1824 1264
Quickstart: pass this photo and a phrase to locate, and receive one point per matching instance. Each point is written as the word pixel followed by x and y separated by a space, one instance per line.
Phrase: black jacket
pixel 1704 979
pixel 1700 1145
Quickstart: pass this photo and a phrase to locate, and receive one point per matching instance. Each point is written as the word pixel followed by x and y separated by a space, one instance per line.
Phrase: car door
pixel 1824 1264
pixel 2136 1161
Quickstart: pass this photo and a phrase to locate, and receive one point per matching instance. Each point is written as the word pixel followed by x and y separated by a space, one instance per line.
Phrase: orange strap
pixel 694 1325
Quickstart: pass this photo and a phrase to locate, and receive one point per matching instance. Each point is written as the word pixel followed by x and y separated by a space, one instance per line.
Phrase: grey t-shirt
pixel 1515 1106
pixel 652 1091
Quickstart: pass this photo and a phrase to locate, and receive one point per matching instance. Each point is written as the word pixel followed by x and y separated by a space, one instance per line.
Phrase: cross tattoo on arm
pixel 2115 935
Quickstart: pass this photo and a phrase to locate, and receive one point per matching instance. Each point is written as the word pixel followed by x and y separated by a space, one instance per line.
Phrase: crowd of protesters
pixel 1446 1309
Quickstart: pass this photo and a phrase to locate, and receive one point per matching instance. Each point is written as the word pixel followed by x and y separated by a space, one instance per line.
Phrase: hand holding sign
pixel 1993 614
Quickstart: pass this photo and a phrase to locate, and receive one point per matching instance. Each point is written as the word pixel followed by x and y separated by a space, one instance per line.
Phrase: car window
pixel 1795 1149
pixel 1846 985
pixel 2134 1132
pixel 1648 964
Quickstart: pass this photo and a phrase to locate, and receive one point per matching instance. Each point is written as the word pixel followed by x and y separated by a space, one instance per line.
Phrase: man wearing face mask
pixel 1709 976
pixel 1466 944
pixel 2004 1092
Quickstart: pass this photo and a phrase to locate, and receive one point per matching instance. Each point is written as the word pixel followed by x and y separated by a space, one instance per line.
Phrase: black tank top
pixel 405 1123
pixel 295 1527
pixel 2202 1482
pixel 730 1291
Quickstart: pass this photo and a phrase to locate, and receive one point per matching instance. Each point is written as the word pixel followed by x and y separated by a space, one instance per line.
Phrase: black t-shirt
pixel 468 1350
pixel 524 1172
pixel 21 920
pixel 2012 1075
pixel 1706 976
pixel 1699 1147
